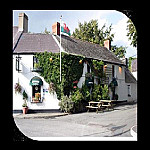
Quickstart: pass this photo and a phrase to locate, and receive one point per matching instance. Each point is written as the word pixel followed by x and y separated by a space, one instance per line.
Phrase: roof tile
pixel 30 43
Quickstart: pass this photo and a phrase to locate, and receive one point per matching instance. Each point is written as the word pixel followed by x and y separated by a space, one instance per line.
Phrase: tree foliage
pixel 132 33
pixel 46 31
pixel 118 51
pixel 91 33
pixel 71 70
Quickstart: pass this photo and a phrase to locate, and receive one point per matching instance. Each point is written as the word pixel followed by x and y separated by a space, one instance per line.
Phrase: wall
pixel 121 89
pixel 132 91
pixel 49 100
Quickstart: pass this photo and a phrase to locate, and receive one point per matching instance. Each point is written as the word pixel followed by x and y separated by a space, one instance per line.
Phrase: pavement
pixel 39 115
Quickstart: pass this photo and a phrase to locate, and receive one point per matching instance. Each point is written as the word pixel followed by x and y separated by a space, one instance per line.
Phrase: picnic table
pixel 100 105
pixel 96 105
pixel 108 104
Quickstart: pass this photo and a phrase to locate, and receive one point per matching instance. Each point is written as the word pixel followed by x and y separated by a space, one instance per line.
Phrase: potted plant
pixel 24 106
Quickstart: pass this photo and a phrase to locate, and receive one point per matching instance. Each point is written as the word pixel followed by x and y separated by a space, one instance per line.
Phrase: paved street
pixel 115 123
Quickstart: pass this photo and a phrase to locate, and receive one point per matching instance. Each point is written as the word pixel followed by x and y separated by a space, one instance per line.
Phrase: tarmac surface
pixel 117 123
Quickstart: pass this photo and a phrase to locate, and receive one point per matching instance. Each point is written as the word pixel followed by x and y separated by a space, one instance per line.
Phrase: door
pixel 36 89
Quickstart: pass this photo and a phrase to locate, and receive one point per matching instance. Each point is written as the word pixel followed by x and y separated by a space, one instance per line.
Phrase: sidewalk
pixel 39 115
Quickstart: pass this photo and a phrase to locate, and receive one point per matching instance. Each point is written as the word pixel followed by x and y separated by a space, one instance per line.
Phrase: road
pixel 115 123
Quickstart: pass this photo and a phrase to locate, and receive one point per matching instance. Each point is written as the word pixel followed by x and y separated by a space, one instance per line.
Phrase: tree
pixel 119 51
pixel 91 33
pixel 130 62
pixel 132 34
pixel 46 31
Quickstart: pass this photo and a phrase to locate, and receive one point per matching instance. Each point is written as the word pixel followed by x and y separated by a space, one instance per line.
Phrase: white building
pixel 134 68
pixel 25 45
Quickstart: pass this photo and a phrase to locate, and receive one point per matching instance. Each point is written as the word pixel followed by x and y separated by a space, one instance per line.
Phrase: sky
pixel 39 20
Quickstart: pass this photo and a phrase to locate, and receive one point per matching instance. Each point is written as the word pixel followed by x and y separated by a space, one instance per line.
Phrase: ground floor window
pixel 129 91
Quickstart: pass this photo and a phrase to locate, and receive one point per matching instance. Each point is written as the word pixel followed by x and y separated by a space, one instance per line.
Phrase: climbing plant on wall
pixel 72 69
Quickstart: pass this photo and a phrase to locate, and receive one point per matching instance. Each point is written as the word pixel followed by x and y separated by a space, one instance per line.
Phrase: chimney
pixel 107 44
pixel 125 61
pixel 56 28
pixel 23 22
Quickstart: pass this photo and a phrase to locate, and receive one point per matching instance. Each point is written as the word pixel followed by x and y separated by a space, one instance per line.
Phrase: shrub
pixel 99 92
pixel 105 92
pixel 77 98
pixel 85 92
pixel 25 96
pixel 96 93
pixel 66 104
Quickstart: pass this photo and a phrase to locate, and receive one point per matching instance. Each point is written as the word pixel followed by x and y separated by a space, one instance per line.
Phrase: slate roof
pixel 129 78
pixel 38 42
pixel 31 43
pixel 87 49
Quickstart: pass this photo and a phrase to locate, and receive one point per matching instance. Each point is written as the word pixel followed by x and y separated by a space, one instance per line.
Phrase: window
pixel 35 62
pixel 36 67
pixel 18 65
pixel 113 71
pixel 129 91
pixel 88 68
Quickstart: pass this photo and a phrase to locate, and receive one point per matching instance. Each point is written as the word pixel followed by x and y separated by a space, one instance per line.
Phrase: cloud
pixel 87 15
pixel 120 31
pixel 120 37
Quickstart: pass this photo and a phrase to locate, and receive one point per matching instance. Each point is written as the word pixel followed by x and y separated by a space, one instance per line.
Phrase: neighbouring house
pixel 134 68
pixel 26 73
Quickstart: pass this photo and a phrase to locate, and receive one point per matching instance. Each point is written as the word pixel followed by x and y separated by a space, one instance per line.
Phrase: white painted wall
pixel 49 100
pixel 122 88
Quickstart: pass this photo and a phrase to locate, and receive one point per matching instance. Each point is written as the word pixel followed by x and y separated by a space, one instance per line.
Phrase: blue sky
pixel 39 20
